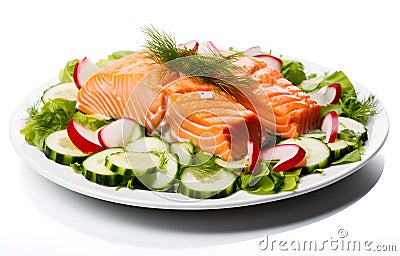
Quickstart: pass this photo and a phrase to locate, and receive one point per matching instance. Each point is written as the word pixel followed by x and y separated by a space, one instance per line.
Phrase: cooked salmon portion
pixel 214 123
pixel 181 108
pixel 114 92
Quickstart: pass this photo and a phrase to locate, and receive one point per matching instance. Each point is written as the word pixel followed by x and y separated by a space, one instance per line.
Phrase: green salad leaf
pixel 293 71
pixel 112 57
pixel 264 180
pixel 53 116
pixel 339 77
pixel 353 156
pixel 66 74
pixel 91 122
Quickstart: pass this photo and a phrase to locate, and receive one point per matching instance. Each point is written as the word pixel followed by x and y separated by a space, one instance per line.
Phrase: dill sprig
pixel 221 73
pixel 361 110
pixel 162 46
pixel 216 70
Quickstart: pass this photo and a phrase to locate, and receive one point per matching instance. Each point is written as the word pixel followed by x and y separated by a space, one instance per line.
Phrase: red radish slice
pixel 83 70
pixel 338 88
pixel 253 151
pixel 253 51
pixel 289 155
pixel 330 125
pixel 271 61
pixel 327 94
pixel 84 139
pixel 192 45
pixel 117 133
pixel 208 48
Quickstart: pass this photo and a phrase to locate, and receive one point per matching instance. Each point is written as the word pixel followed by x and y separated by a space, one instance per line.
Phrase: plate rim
pixel 109 194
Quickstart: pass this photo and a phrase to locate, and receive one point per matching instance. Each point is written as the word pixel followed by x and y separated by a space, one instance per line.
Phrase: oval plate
pixel 64 176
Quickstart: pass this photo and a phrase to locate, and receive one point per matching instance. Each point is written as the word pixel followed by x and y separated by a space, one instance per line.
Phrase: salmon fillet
pixel 180 108
pixel 213 122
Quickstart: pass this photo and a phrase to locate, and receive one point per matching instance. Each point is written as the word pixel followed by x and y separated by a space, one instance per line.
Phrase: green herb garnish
pixel 216 70
pixel 359 110
pixel 53 116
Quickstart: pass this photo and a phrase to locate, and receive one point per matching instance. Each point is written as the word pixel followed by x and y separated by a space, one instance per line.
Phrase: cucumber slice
pixel 203 184
pixel 66 91
pixel 184 150
pixel 94 168
pixel 59 148
pixel 339 148
pixel 136 133
pixel 236 166
pixel 148 144
pixel 317 152
pixel 316 135
pixel 311 84
pixel 132 163
pixel 166 173
pixel 357 127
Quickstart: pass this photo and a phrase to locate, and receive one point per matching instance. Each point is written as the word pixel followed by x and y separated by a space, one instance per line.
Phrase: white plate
pixel 377 131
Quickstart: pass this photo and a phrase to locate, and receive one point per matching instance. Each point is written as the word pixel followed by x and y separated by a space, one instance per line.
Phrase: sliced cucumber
pixel 316 135
pixel 59 148
pixel 148 144
pixel 339 148
pixel 66 91
pixel 132 163
pixel 136 133
pixel 236 166
pixel 317 152
pixel 203 184
pixel 94 168
pixel 184 150
pixel 166 173
pixel 311 84
pixel 360 132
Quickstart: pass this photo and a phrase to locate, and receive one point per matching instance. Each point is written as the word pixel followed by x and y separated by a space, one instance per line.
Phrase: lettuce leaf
pixel 266 181
pixel 91 122
pixel 293 71
pixel 339 77
pixel 112 57
pixel 353 156
pixel 66 74
pixel 53 116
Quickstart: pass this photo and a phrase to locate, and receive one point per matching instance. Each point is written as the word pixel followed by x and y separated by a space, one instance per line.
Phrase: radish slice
pixel 83 70
pixel 289 155
pixel 116 134
pixel 327 94
pixel 253 151
pixel 330 125
pixel 271 61
pixel 208 48
pixel 338 88
pixel 192 45
pixel 253 51
pixel 84 139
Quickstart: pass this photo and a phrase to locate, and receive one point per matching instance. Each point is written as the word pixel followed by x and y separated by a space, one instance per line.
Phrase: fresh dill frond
pixel 224 75
pixel 33 109
pixel 163 161
pixel 360 110
pixel 162 46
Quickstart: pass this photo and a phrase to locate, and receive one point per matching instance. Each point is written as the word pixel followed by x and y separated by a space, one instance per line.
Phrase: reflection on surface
pixel 173 228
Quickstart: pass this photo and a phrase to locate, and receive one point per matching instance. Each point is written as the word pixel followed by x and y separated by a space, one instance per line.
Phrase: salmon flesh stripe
pixel 180 108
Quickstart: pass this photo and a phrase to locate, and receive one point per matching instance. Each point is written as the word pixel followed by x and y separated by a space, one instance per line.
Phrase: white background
pixel 38 217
